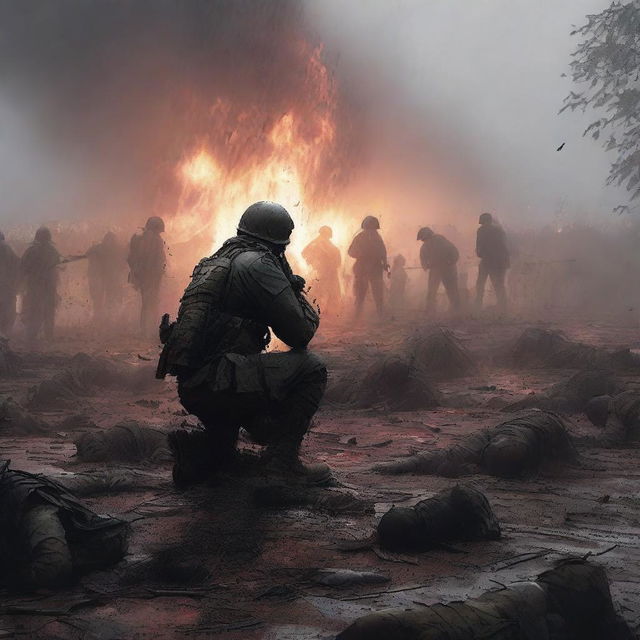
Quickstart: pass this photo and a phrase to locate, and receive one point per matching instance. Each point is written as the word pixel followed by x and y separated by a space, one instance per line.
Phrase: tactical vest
pixel 203 331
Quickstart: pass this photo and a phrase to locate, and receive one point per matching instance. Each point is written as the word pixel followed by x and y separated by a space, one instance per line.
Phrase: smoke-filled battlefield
pixel 319 319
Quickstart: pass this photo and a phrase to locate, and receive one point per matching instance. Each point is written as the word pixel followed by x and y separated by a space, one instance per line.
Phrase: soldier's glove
pixel 298 283
pixel 165 328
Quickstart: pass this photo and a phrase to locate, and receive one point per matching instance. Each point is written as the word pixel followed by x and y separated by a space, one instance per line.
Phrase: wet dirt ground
pixel 243 572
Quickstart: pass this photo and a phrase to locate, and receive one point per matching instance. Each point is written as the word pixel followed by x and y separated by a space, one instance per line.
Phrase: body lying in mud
pixel 549 349
pixel 48 538
pixel 124 442
pixel 87 375
pixel 571 395
pixel 518 446
pixel 619 415
pixel 571 601
pixel 456 514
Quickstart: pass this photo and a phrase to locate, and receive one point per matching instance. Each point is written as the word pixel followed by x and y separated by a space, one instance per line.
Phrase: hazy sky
pixel 489 70
pixel 485 74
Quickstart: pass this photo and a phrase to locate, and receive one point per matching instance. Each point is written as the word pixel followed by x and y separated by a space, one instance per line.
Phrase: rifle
pixel 72 259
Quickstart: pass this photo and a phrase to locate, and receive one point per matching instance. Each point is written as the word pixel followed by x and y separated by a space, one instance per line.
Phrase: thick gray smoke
pixel 454 104
pixel 488 77
pixel 100 100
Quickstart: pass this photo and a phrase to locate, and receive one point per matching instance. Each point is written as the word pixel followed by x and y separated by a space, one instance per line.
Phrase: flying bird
pixel 560 147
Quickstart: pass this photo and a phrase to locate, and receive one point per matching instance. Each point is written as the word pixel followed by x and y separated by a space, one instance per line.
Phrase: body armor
pixel 203 331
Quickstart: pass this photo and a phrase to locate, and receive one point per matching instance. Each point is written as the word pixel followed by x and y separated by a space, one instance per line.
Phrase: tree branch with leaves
pixel 607 64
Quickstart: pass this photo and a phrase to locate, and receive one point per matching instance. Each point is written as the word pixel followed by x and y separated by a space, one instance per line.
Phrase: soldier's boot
pixel 282 459
pixel 193 460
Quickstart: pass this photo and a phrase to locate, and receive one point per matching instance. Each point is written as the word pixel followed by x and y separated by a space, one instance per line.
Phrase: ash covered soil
pixel 209 561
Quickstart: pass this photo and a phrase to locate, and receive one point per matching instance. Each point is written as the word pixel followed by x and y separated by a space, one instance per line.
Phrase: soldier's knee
pixel 315 366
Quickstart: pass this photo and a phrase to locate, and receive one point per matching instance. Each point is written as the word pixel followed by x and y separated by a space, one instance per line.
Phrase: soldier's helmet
pixel 155 223
pixel 325 232
pixel 371 222
pixel 485 218
pixel 110 238
pixel 43 235
pixel 266 220
pixel 425 233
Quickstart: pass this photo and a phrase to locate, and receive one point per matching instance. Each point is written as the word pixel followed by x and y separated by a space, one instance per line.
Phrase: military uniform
pixel 216 350
pixel 491 248
pixel 370 255
pixel 9 274
pixel 439 257
pixel 106 275
pixel 325 259
pixel 47 536
pixel 147 261
pixel 39 271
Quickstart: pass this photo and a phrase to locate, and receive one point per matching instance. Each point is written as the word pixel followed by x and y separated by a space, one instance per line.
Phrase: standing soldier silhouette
pixel 39 273
pixel 9 277
pixel 370 254
pixel 491 248
pixel 439 257
pixel 324 258
pixel 147 262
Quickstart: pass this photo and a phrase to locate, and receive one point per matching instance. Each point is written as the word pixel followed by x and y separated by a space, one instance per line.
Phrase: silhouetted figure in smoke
pixel 439 257
pixel 216 350
pixel 324 258
pixel 147 262
pixel 106 274
pixel 9 278
pixel 39 273
pixel 398 287
pixel 370 255
pixel 491 248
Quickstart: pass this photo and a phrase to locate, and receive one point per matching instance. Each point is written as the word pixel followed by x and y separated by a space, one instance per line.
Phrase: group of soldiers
pixel 35 275
pixel 438 257
pixel 216 348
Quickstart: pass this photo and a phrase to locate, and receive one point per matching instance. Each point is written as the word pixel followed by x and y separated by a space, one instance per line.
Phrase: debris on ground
pixel 347 577
pixel 328 500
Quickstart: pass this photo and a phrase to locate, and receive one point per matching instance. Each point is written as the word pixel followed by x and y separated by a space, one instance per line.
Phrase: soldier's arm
pixel 424 257
pixel 479 243
pixel 354 251
pixel 288 313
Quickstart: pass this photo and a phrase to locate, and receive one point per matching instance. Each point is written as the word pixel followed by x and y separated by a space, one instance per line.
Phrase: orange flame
pixel 277 160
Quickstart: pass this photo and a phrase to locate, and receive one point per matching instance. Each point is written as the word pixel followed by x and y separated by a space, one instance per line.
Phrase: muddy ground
pixel 207 562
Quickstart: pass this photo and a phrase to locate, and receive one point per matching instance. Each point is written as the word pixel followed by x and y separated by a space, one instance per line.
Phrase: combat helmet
pixel 370 222
pixel 266 220
pixel 325 232
pixel 43 235
pixel 155 223
pixel 425 233
pixel 485 218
